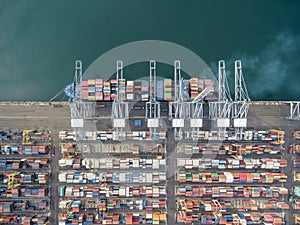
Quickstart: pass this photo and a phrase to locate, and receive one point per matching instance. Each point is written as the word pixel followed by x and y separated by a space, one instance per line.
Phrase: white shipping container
pixel 135 163
pixel 122 178
pixel 162 162
pixel 149 177
pixel 195 163
pixel 122 192
pixel 155 164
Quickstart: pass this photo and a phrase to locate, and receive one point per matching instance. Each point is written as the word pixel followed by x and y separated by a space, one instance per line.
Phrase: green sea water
pixel 40 40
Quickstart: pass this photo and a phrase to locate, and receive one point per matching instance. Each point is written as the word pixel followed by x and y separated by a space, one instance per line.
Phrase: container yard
pixel 152 170
pixel 137 196
pixel 25 177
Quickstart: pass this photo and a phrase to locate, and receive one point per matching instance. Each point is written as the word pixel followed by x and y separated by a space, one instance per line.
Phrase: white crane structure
pixel 80 110
pixel 241 101
pixel 152 106
pixel 221 110
pixel 196 116
pixel 179 110
pixel 294 111
pixel 120 111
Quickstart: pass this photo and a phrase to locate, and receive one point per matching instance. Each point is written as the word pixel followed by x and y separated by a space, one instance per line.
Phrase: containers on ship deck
pixel 194 90
pixel 122 89
pixel 130 91
pixel 106 91
pixel 97 89
pixel 168 90
pixel 160 90
pixel 113 89
pixel 145 90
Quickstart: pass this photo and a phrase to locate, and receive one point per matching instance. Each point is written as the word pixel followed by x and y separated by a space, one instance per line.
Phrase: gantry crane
pixel 10 180
pixel 280 137
pixel 26 140
pixel 221 110
pixel 80 110
pixel 65 208
pixel 196 110
pixel 179 110
pixel 241 101
pixel 152 106
pixel 294 111
pixel 119 108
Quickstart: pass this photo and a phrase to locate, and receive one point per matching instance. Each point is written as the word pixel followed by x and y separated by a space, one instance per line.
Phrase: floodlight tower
pixel 80 110
pixel 221 110
pixel 241 101
pixel 152 106
pixel 179 110
pixel 120 111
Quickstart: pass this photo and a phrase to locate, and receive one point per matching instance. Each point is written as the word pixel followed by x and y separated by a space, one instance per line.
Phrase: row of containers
pixel 294 149
pixel 109 204
pixel 231 218
pixel 230 177
pixel 113 164
pixel 135 148
pixel 115 218
pixel 229 163
pixel 114 136
pixel 24 219
pixel 240 191
pixel 268 136
pixel 25 177
pixel 113 177
pixel 113 191
pixel 138 90
pixel 296 200
pixel 15 164
pixel 25 192
pixel 16 135
pixel 218 204
pixel 24 150
pixel 230 149
pixel 23 205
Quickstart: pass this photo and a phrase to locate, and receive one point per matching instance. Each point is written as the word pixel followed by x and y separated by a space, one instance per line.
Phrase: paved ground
pixel 35 116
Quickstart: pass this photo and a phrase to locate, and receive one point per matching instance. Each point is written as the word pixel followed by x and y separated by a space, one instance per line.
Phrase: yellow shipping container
pixel 92 82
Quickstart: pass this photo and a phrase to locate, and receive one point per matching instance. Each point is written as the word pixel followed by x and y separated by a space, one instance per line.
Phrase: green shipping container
pixel 61 191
